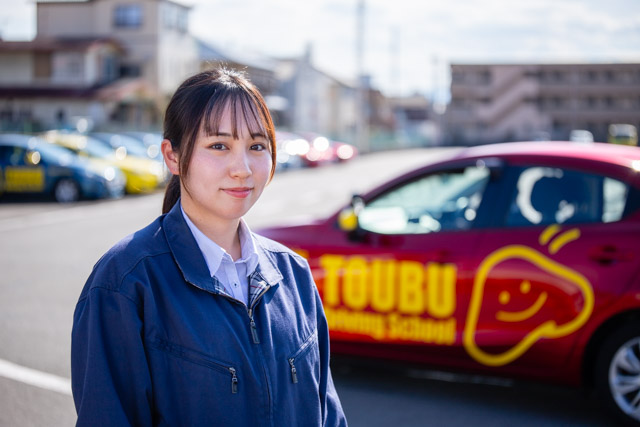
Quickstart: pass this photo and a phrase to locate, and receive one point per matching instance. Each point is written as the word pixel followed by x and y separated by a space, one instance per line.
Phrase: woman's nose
pixel 240 167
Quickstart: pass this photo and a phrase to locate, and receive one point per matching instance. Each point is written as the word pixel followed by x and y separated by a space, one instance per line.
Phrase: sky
pixel 408 45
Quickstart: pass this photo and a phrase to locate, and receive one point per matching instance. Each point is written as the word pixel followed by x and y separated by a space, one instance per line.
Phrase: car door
pixel 22 171
pixel 398 286
pixel 561 251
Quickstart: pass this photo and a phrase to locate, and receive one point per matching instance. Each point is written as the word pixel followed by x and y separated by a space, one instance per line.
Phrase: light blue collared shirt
pixel 234 276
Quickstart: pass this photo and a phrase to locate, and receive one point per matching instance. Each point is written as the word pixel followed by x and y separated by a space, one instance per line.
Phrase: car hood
pixel 140 166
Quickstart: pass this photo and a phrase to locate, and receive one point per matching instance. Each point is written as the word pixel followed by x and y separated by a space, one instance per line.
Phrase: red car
pixel 516 259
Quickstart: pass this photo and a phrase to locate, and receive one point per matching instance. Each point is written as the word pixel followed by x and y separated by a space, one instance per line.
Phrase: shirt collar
pixel 191 261
pixel 214 254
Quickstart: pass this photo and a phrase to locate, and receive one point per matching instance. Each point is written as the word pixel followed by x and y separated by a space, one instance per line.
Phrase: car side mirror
pixel 348 218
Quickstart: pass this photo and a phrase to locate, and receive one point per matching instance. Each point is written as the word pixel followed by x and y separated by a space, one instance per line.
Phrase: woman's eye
pixel 259 147
pixel 217 146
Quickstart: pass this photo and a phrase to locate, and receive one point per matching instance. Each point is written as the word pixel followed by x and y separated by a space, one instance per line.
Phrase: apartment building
pixel 511 102
pixel 104 62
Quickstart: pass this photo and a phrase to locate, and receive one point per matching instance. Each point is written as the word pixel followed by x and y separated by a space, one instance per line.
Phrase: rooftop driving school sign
pixel 391 300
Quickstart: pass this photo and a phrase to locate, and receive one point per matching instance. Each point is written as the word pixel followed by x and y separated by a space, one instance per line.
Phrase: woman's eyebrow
pixel 254 135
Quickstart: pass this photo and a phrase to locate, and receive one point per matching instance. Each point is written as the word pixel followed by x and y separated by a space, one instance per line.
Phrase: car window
pixel 546 195
pixel 437 202
pixel 54 154
pixel 12 156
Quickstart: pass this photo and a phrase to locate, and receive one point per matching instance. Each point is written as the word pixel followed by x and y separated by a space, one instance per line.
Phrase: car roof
pixel 18 139
pixel 603 152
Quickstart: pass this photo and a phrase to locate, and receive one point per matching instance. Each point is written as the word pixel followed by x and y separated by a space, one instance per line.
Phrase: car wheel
pixel 618 372
pixel 66 191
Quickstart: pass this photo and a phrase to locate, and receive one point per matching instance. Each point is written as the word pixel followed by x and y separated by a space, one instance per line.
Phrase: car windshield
pixel 97 149
pixel 133 147
pixel 52 153
pixel 437 202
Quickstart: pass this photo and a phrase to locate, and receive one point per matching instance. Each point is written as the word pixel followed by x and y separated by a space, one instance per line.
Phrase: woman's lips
pixel 238 192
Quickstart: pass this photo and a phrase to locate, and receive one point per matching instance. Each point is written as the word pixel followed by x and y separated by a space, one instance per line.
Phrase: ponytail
pixel 171 194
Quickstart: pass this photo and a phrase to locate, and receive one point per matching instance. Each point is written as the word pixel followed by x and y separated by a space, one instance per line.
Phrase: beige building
pixel 503 102
pixel 113 63
pixel 153 33
pixel 314 101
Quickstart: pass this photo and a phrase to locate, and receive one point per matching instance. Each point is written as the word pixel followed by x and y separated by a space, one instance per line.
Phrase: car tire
pixel 618 373
pixel 66 191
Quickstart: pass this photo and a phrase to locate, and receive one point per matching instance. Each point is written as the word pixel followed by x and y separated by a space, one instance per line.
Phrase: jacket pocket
pixel 198 358
pixel 309 344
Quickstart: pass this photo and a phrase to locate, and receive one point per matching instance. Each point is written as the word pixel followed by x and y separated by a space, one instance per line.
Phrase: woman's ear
pixel 170 157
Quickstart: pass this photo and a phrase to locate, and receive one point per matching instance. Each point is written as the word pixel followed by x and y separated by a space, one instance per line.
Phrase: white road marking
pixel 35 378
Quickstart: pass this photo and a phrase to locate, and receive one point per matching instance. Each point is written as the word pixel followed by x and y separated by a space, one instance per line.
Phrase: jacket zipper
pixel 234 381
pixel 252 323
pixel 175 351
pixel 294 373
pixel 302 350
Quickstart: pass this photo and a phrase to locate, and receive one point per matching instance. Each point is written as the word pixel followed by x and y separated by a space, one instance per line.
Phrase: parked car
pixel 624 134
pixel 31 165
pixel 290 148
pixel 320 150
pixel 515 259
pixel 343 151
pixel 581 135
pixel 151 140
pixel 142 175
pixel 134 147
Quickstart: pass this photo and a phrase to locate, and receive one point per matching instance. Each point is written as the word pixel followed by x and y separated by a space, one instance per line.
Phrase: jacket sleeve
pixel 333 415
pixel 110 377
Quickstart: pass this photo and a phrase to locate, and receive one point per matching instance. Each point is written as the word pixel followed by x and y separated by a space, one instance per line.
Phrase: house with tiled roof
pixel 101 62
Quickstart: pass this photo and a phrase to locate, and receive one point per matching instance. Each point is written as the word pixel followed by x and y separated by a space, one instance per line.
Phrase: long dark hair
pixel 207 95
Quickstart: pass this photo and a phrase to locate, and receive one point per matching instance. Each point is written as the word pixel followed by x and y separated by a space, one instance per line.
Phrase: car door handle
pixel 608 254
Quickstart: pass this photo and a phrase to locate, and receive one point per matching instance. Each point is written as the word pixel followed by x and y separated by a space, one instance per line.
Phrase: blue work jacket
pixel 157 341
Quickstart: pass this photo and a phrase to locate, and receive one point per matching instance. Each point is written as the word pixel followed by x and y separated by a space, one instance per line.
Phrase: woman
pixel 194 320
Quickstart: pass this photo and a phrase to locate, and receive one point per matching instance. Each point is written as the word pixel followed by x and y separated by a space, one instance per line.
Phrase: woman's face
pixel 226 175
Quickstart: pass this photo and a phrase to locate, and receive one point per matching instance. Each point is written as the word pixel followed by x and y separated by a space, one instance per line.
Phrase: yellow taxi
pixel 142 175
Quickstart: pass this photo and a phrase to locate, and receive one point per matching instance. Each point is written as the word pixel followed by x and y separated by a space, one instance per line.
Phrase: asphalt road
pixel 47 251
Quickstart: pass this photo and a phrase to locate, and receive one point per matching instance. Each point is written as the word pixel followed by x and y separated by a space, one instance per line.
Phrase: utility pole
pixel 394 62
pixel 362 125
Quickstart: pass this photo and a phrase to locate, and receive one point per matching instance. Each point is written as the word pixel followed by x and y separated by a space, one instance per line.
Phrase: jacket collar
pixel 194 268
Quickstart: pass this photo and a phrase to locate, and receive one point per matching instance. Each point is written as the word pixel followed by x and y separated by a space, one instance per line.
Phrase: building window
pixel 175 17
pixel 130 70
pixel 128 16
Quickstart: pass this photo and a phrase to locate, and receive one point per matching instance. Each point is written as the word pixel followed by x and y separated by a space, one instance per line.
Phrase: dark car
pixel 31 165
pixel 515 259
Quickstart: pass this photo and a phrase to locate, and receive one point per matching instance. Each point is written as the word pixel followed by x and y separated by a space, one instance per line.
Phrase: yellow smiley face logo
pixel 522 315
pixel 536 299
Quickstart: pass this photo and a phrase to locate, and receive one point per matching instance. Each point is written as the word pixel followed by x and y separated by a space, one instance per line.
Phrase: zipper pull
pixel 234 381
pixel 254 332
pixel 294 373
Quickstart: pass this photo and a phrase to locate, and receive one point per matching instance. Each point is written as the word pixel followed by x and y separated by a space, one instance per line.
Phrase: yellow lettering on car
pixel 441 292
pixel 411 298
pixel 331 265
pixel 22 179
pixel 354 288
pixel 383 295
pixel 388 299
pixel 405 300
